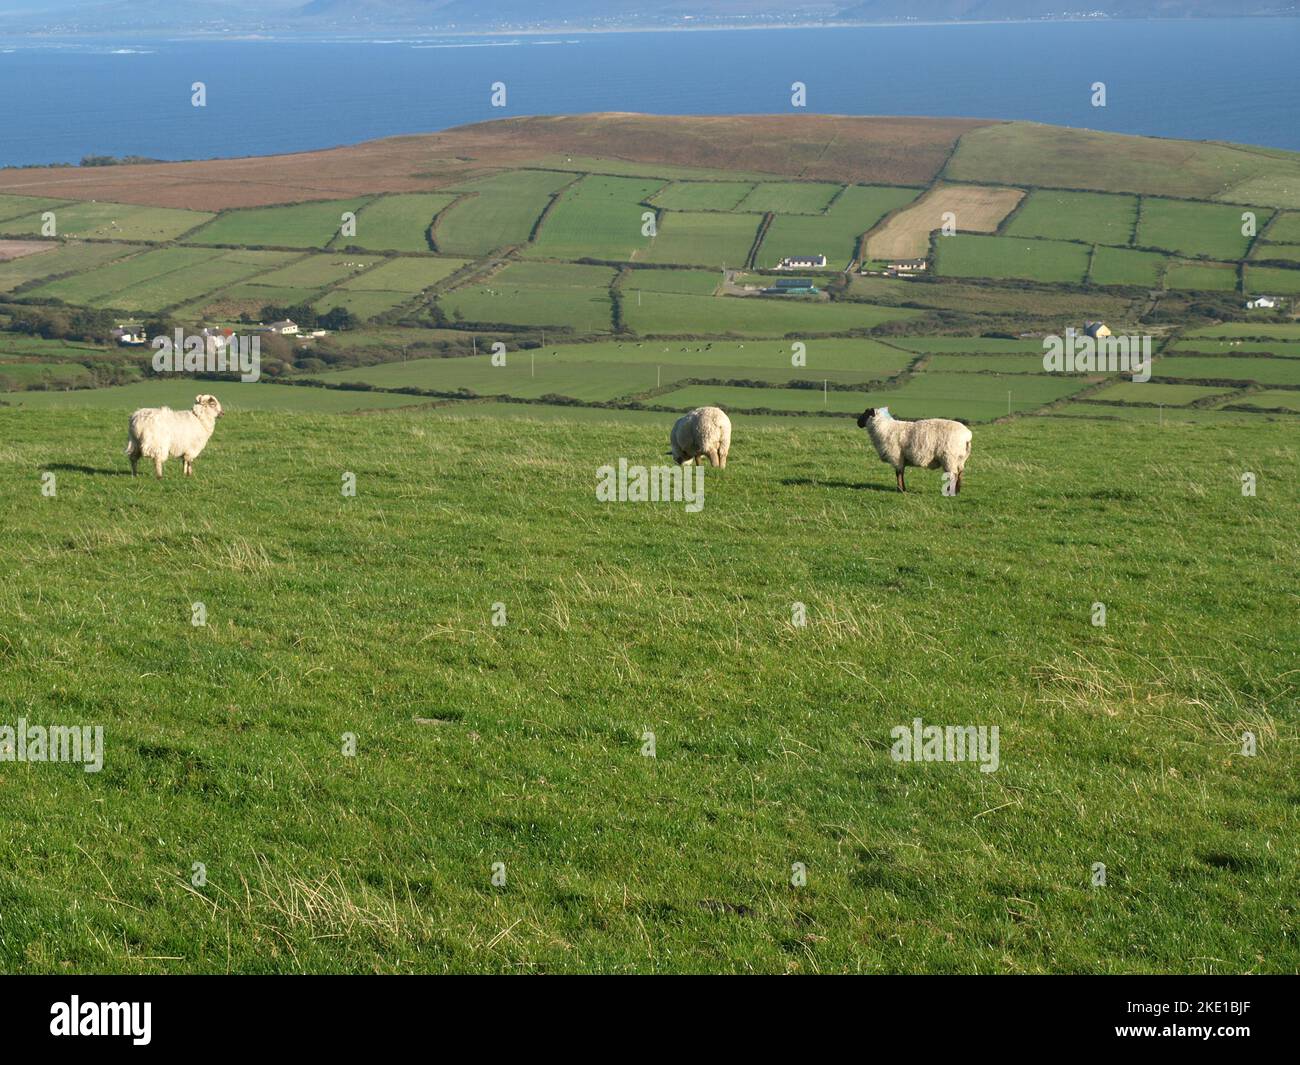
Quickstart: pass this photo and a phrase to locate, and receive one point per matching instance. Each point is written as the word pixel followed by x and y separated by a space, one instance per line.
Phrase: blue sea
pixel 1223 79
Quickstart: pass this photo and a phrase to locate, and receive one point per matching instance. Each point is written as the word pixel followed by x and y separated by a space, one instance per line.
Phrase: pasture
pixel 301 225
pixel 522 744
pixel 1210 230
pixel 703 238
pixel 701 195
pixel 1054 214
pixel 397 223
pixel 1126 266
pixel 599 218
pixel 500 210
pixel 966 255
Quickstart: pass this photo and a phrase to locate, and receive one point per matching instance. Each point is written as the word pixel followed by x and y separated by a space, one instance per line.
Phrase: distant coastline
pixel 409 35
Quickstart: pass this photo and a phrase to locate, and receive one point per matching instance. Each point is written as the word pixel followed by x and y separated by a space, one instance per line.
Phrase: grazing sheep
pixel 929 444
pixel 161 433
pixel 703 432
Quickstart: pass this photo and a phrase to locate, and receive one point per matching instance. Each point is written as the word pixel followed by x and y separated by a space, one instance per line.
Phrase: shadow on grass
pixel 812 482
pixel 72 467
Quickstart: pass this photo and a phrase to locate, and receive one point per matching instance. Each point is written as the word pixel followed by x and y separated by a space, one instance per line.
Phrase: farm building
pixel 286 327
pixel 802 262
pixel 792 286
pixel 907 266
pixel 1262 303
pixel 1096 329
pixel 129 333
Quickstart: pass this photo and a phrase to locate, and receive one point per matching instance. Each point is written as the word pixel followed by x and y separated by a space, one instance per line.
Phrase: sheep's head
pixel 208 404
pixel 865 417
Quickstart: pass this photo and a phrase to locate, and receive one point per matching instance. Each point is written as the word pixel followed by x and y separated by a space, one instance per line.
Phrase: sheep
pixel 161 433
pixel 703 432
pixel 928 444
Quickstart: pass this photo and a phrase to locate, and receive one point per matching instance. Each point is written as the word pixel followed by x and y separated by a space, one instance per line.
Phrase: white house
pixel 802 262
pixel 285 327
pixel 1261 303
pixel 129 334
pixel 907 266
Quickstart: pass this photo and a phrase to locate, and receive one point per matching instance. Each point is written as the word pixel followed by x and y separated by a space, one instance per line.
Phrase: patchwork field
pixel 397 223
pixel 965 255
pixel 1196 228
pixel 303 225
pixel 1126 266
pixel 708 239
pixel 598 218
pixel 906 235
pixel 501 210
pixel 1055 214
pixel 115 221
pixel 701 195
pixel 835 234
pixel 524 743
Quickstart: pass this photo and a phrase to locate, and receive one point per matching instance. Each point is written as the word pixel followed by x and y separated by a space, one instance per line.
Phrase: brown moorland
pixel 903 151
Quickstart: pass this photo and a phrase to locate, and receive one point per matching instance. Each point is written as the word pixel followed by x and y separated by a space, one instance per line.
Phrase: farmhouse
pixel 802 262
pixel 907 266
pixel 1096 329
pixel 129 333
pixel 1262 303
pixel 287 327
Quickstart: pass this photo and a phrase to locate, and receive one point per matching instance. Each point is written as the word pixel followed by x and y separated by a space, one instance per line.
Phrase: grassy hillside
pixel 521 744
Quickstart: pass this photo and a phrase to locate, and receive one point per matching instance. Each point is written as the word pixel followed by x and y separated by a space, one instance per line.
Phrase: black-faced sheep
pixel 160 433
pixel 929 444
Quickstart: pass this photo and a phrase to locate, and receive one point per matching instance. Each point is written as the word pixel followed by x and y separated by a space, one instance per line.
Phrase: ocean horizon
pixel 1213 79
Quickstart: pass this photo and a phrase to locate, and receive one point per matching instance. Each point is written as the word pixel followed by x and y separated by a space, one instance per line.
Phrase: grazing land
pixel 1011 257
pixel 475 483
pixel 1055 214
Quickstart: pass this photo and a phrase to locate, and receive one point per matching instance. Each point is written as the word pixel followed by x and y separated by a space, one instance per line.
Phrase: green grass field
pixel 598 218
pixel 1245 370
pixel 116 221
pixel 701 195
pixel 1204 277
pixel 790 197
pixel 970 255
pixel 672 314
pixel 521 744
pixel 1196 228
pixel 62 259
pixel 502 211
pixel 541 294
pixel 301 225
pixel 334 618
pixel 1057 215
pixel 397 223
pixel 1125 266
pixel 703 238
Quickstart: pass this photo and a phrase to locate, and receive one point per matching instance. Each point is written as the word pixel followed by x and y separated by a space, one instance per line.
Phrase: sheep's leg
pixel 157 468
pixel 957 487
pixel 898 479
pixel 135 461
pixel 189 467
